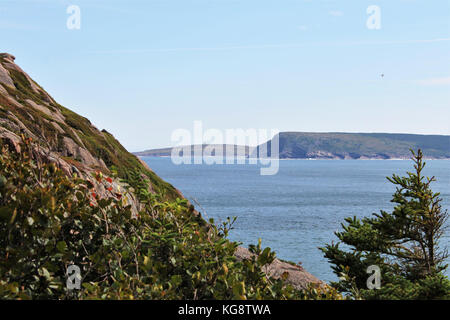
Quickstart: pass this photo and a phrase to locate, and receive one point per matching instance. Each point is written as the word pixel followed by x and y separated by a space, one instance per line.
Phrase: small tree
pixel 403 244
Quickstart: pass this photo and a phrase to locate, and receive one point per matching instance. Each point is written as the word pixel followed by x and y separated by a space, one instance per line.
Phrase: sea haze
pixel 300 208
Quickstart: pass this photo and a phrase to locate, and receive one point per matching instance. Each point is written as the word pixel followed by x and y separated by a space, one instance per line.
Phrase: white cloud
pixel 336 13
pixel 442 81
pixel 280 45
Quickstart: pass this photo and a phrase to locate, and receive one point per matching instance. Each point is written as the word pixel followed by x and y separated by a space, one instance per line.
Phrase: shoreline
pixel 307 159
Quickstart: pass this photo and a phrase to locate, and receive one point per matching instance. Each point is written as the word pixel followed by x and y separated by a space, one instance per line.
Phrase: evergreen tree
pixel 403 244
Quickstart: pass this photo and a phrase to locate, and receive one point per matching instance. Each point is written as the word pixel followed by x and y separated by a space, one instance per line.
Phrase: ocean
pixel 297 210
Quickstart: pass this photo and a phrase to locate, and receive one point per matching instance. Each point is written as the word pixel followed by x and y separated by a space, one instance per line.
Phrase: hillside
pixel 166 152
pixel 299 145
pixel 305 145
pixel 63 136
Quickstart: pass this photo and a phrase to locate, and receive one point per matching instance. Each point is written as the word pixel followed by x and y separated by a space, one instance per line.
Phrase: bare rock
pixel 9 64
pixel 8 56
pixel 10 139
pixel 71 149
pixel 56 115
pixel 5 78
pixel 296 275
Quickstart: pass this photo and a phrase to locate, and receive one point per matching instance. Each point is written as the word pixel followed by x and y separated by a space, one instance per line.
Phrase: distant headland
pixel 336 145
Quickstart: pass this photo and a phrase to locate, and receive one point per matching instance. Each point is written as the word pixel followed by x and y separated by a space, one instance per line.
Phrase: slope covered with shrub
pixel 50 221
pixel 337 145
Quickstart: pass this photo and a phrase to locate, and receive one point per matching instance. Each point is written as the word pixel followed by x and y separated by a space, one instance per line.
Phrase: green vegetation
pixel 360 145
pixel 162 248
pixel 49 221
pixel 301 145
pixel 403 244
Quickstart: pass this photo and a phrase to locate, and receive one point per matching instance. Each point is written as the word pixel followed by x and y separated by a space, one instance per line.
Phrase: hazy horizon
pixel 253 145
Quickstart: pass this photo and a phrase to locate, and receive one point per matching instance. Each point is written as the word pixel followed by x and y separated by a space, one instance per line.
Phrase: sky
pixel 142 69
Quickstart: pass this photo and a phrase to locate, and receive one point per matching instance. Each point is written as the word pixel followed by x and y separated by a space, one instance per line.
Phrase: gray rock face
pixel 5 78
pixel 73 150
pixel 297 276
pixel 72 157
pixel 8 56
pixel 54 114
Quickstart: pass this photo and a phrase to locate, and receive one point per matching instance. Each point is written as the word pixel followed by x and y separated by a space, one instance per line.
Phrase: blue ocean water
pixel 297 210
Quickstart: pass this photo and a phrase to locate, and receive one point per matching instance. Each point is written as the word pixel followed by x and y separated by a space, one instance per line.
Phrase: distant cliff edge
pixel 335 145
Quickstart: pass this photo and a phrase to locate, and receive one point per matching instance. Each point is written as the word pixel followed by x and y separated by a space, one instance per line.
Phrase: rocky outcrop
pixel 60 135
pixel 5 79
pixel 69 168
pixel 296 275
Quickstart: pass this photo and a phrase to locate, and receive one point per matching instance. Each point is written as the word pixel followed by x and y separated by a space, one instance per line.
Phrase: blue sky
pixel 141 69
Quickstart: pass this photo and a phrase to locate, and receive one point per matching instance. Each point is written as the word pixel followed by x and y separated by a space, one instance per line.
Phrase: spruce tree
pixel 402 243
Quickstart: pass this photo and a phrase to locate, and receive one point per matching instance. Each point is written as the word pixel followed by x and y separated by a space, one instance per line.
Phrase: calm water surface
pixel 300 208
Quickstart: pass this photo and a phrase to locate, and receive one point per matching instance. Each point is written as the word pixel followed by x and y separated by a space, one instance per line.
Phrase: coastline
pixel 308 159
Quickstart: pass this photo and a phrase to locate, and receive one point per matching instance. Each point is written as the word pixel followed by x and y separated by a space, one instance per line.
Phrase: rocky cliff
pixel 62 136
pixel 310 145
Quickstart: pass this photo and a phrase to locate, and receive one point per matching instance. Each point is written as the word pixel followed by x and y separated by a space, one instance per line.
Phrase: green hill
pixel 361 145
pixel 334 145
